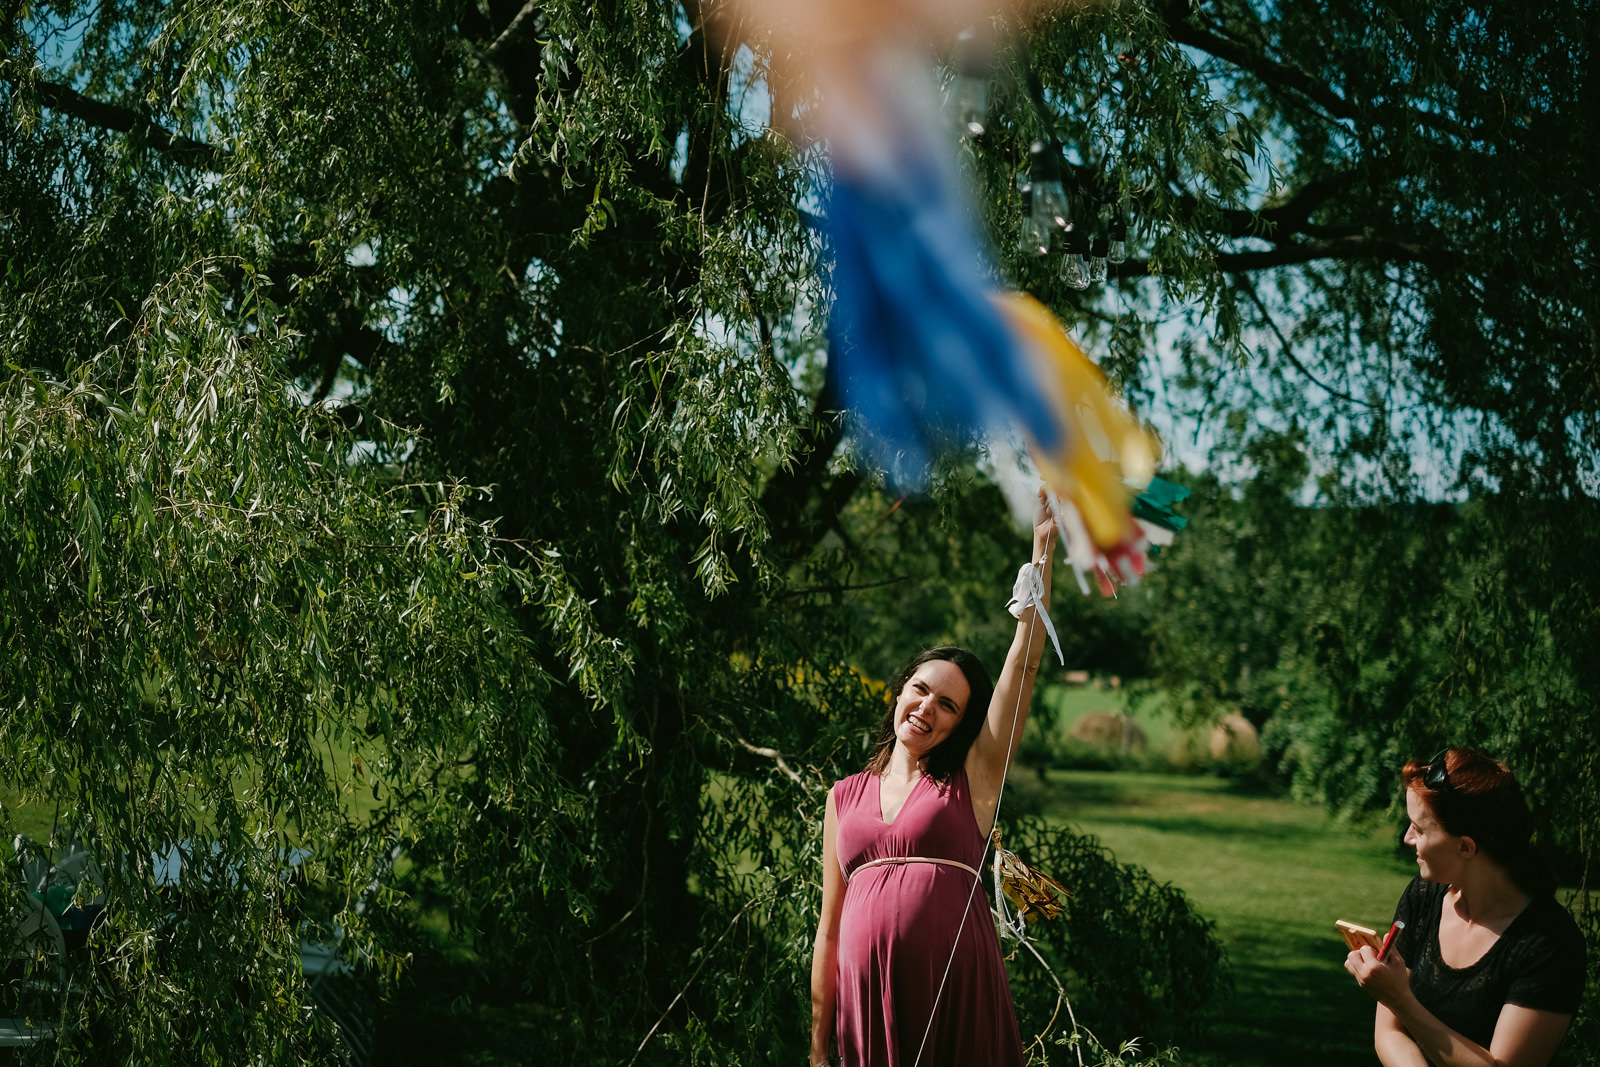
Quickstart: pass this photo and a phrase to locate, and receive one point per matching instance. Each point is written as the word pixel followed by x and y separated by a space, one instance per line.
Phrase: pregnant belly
pixel 914 909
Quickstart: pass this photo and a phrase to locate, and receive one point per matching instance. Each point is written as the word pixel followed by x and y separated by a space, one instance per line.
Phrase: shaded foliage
pixel 205 610
pixel 1170 967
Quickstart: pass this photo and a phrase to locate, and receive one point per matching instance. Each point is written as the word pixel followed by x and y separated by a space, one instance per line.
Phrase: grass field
pixel 33 818
pixel 1273 875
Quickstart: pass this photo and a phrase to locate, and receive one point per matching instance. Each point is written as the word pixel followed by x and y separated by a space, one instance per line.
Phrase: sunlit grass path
pixel 1273 875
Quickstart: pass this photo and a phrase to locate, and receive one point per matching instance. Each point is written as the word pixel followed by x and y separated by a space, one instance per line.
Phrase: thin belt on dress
pixel 895 861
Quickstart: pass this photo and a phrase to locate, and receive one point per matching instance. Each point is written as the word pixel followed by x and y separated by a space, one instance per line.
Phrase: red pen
pixel 1388 939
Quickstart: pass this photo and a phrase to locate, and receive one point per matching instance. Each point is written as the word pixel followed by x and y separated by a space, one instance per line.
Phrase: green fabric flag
pixel 1154 505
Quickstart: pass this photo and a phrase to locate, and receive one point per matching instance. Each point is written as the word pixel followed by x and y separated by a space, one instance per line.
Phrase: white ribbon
pixel 1029 592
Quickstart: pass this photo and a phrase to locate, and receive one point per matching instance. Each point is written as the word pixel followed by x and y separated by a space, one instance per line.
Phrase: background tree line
pixel 414 428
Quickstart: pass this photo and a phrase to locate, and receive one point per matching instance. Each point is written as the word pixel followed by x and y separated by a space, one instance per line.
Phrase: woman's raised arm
pixel 996 745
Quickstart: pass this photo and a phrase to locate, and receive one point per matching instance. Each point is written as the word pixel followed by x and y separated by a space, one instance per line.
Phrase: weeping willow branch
pixel 1061 1000
pixel 704 959
pixel 732 734
pixel 184 150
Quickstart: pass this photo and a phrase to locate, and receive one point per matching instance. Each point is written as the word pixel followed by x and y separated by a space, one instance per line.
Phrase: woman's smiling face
pixel 1438 850
pixel 929 707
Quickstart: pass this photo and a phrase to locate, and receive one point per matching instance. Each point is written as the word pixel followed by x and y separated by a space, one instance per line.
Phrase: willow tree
pixel 1402 288
pixel 423 403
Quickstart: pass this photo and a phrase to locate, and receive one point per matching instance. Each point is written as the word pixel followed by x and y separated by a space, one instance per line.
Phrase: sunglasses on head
pixel 1438 775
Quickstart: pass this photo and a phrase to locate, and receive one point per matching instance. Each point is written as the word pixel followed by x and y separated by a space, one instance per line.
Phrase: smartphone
pixel 1355 936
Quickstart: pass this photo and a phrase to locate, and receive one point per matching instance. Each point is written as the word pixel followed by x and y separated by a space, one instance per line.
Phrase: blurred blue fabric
pixel 918 350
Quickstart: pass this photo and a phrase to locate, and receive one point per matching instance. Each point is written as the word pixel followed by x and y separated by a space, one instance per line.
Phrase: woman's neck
pixel 1487 895
pixel 902 765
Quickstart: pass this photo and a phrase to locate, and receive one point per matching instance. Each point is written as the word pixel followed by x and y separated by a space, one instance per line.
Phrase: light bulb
pixel 1117 250
pixel 1032 238
pixel 1097 258
pixel 1044 173
pixel 969 91
pixel 1075 263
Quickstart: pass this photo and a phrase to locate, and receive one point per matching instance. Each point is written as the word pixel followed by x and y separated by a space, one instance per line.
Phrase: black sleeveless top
pixel 1537 963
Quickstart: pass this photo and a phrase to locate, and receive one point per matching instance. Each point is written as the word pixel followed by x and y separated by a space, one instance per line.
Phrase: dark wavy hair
pixel 1480 798
pixel 951 753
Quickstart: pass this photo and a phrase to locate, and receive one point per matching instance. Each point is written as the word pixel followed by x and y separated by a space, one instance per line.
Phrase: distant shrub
pixel 1134 955
pixel 1074 755
pixel 1110 729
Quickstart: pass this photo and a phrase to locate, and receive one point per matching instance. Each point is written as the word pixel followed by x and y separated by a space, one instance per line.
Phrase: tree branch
pixel 1288 349
pixel 358 341
pixel 184 150
pixel 493 51
pixel 765 752
pixel 1290 216
pixel 1354 247
pixel 802 501
pixel 1273 72
pixel 709 952
pixel 833 590
pixel 1175 14
pixel 517 57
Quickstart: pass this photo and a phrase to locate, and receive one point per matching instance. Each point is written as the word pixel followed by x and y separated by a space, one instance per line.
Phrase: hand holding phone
pixel 1355 936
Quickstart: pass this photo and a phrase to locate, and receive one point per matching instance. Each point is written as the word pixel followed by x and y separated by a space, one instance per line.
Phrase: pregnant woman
pixel 907 968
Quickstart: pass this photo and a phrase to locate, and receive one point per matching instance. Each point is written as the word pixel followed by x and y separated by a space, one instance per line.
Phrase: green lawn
pixel 26 817
pixel 1273 875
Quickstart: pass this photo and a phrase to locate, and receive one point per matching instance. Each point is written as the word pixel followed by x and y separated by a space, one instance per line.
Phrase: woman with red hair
pixel 1488 968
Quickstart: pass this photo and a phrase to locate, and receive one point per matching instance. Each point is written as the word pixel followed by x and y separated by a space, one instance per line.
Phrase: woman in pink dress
pixel 907 969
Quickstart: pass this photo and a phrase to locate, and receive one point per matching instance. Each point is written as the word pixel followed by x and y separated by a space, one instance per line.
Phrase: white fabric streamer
pixel 1029 592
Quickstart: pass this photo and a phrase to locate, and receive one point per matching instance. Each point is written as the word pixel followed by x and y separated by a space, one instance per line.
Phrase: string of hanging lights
pixel 1090 233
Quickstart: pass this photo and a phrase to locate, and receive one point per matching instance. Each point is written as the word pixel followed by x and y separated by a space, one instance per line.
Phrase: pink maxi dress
pixel 898 929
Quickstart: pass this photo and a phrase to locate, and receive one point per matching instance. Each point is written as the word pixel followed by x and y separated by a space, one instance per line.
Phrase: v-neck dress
pixel 898 931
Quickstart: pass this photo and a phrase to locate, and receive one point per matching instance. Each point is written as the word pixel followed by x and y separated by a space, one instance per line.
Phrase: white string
pixel 999 797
